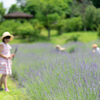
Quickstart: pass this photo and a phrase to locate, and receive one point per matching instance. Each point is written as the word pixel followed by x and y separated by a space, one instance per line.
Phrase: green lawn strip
pixel 14 92
pixel 82 36
pixel 88 37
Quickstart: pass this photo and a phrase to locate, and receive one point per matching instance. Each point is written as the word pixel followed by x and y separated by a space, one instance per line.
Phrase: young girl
pixel 5 59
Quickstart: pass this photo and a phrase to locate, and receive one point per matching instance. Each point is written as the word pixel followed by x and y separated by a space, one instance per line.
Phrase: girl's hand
pixel 9 57
pixel 12 55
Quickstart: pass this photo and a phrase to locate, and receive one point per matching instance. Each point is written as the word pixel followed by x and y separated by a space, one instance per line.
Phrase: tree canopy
pixel 48 12
pixel 14 8
pixel 2 11
pixel 96 3
pixel 60 15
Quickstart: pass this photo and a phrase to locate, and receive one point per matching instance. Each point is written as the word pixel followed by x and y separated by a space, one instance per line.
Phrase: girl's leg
pixel 5 82
pixel 4 79
pixel 1 82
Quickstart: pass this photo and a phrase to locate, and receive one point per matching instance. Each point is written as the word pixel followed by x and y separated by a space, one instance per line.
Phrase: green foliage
pixel 25 30
pixel 30 7
pixel 60 26
pixel 2 11
pixel 36 24
pixel 21 2
pixel 73 38
pixel 96 3
pixel 74 24
pixel 52 19
pixel 37 28
pixel 84 37
pixel 14 8
pixel 71 49
pixel 21 20
pixel 62 15
pixel 89 18
pixel 78 7
pixel 97 21
pixel 52 6
pixel 48 12
pixel 98 29
pixel 14 91
pixel 9 25
pixel 91 23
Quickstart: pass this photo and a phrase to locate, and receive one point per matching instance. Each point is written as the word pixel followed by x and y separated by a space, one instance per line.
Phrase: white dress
pixel 5 64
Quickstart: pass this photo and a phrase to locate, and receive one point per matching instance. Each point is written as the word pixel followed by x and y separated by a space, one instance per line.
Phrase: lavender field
pixel 48 74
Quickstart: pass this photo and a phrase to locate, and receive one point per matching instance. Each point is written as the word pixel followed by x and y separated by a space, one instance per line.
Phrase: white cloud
pixel 8 3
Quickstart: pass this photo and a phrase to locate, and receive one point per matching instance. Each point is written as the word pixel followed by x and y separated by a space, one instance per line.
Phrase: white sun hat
pixel 7 34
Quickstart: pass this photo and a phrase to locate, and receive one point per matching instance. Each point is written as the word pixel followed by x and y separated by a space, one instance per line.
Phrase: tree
pixel 97 21
pixel 73 24
pixel 82 1
pixel 78 7
pixel 9 25
pixel 60 26
pixel 30 7
pixel 89 18
pixel 25 30
pixel 14 8
pixel 21 2
pixel 96 3
pixel 49 12
pixel 2 11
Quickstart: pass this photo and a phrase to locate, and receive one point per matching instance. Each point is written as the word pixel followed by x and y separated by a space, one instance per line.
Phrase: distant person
pixel 60 48
pixel 95 48
pixel 5 59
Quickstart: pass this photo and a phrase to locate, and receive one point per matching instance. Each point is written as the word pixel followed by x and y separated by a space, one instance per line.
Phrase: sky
pixel 8 3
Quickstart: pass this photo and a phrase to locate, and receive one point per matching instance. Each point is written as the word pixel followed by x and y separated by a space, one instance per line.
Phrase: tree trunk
pixel 85 29
pixel 49 33
pixel 59 32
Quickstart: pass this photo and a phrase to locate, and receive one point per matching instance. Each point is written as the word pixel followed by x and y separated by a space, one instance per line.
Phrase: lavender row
pixel 49 74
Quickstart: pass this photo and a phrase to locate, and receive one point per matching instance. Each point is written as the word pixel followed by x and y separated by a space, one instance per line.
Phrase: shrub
pixel 10 26
pixel 25 30
pixel 98 30
pixel 89 18
pixel 96 3
pixel 71 49
pixel 60 26
pixel 37 27
pixel 74 24
pixel 97 21
pixel 73 38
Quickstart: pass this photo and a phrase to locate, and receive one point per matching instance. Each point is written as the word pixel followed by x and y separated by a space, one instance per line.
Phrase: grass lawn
pixel 14 92
pixel 61 39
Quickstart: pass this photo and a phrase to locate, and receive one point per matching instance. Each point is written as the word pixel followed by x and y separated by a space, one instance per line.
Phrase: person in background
pixel 60 48
pixel 95 48
pixel 5 59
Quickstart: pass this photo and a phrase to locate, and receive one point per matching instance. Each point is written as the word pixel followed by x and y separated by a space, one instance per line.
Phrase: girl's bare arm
pixel 1 48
